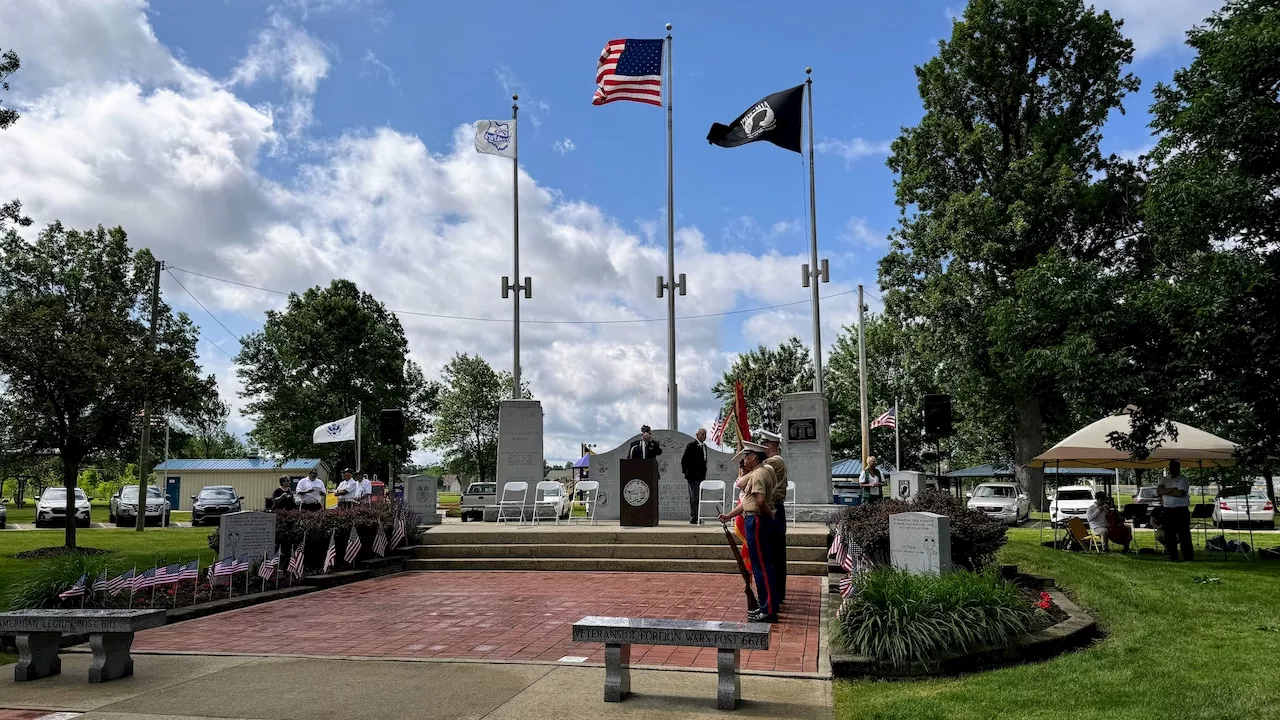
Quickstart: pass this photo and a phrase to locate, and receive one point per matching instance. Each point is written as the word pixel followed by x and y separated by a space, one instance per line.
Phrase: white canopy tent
pixel 1088 448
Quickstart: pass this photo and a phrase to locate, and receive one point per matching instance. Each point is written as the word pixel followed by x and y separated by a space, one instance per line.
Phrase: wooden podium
pixel 638 491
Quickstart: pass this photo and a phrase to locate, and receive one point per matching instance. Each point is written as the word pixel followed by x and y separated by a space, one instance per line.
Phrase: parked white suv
pixel 1003 501
pixel 1070 501
pixel 51 508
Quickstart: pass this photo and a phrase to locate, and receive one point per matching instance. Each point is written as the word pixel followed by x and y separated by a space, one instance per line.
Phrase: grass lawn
pixel 97 513
pixel 129 548
pixel 1175 648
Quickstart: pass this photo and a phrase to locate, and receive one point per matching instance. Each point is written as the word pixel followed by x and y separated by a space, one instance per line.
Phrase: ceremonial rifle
pixel 752 603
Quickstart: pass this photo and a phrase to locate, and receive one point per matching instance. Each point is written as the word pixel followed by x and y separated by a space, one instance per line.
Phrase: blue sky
pixel 283 144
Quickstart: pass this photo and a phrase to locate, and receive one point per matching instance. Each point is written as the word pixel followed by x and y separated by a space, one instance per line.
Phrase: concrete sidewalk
pixel 175 686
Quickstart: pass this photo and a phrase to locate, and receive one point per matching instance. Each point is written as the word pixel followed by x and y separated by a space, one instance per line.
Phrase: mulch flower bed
pixel 1051 614
pixel 60 551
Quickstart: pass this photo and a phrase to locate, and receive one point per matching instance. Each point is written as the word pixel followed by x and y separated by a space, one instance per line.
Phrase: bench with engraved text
pixel 38 634
pixel 618 635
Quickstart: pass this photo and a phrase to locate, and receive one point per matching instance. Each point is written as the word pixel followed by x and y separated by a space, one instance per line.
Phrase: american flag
pixel 295 561
pixel 717 430
pixel 380 542
pixel 889 419
pixel 846 586
pixel 269 565
pixel 76 590
pixel 835 545
pixel 330 555
pixel 102 583
pixel 177 572
pixel 229 566
pixel 397 533
pixel 123 581
pixel 630 70
pixel 145 580
pixel 846 562
pixel 353 546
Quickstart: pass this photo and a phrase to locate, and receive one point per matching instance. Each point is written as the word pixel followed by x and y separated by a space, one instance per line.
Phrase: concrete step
pixel 601 565
pixel 573 535
pixel 815 555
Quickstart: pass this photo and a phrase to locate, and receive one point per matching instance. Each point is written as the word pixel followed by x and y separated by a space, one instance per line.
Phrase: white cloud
pixel 852 149
pixel 533 109
pixel 287 53
pixel 379 70
pixel 1156 24
pixel 157 147
pixel 564 146
pixel 858 232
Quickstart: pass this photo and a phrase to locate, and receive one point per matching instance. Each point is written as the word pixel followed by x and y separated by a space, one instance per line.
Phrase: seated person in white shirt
pixel 348 491
pixel 310 492
pixel 1106 523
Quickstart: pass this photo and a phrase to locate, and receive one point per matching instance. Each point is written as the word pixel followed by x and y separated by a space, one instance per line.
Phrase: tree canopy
pixel 766 374
pixel 327 351
pixel 465 422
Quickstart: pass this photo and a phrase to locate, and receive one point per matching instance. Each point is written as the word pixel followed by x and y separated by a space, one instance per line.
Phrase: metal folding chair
pixel 543 500
pixel 710 492
pixel 590 490
pixel 513 497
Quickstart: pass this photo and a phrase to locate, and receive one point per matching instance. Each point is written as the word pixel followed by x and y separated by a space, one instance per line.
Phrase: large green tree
pixel 10 212
pixel 1009 251
pixel 75 360
pixel 1213 211
pixel 329 350
pixel 766 374
pixel 206 429
pixel 465 422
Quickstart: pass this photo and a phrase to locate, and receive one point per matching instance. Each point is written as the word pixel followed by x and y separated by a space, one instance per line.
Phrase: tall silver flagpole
pixel 814 273
pixel 359 407
pixel 672 410
pixel 862 379
pixel 515 234
pixel 897 444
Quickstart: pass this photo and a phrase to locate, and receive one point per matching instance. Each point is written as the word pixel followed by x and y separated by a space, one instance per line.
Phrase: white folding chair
pixel 711 492
pixel 548 494
pixel 590 491
pixel 791 501
pixel 513 496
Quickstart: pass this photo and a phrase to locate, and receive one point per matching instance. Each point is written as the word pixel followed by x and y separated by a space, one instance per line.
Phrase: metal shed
pixel 254 478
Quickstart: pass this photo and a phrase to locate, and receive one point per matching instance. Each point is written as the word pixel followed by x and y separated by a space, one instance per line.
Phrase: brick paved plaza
pixel 496 616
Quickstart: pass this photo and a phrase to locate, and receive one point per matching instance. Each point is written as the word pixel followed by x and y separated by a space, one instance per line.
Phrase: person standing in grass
pixel 1175 496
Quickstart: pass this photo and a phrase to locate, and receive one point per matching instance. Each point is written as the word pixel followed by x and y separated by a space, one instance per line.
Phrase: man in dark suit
pixel 694 466
pixel 646 447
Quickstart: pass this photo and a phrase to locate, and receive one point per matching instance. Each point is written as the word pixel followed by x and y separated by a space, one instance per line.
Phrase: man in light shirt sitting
pixel 310 492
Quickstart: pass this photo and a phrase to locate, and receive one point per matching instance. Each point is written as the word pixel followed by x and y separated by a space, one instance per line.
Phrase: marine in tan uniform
pixel 773 448
pixel 757 509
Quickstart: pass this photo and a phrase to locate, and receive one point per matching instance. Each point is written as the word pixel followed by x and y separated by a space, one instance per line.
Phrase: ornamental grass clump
pixel 901 619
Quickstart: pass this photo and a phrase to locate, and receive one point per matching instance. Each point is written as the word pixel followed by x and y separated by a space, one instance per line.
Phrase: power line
pixel 206 310
pixel 523 321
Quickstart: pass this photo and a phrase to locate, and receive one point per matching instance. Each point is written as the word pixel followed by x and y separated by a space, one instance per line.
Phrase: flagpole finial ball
pixel 515 98
pixel 808 71
pixel 668 27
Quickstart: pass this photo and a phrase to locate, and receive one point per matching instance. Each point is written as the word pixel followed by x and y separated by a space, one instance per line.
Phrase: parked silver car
pixel 122 509
pixel 51 508
pixel 1003 501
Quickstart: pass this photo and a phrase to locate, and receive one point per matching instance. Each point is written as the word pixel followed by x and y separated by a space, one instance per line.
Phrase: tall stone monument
pixel 920 542
pixel 520 446
pixel 806 446
pixel 673 489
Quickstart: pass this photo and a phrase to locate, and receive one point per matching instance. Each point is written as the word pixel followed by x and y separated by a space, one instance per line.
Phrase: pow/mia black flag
pixel 776 119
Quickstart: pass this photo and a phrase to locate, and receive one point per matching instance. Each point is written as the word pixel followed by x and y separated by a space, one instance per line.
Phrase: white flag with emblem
pixel 496 137
pixel 336 431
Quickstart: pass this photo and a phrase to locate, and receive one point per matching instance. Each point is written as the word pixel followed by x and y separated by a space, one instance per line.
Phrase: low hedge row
pixel 316 527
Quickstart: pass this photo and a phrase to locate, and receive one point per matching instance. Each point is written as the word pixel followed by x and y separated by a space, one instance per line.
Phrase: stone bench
pixel 38 635
pixel 619 634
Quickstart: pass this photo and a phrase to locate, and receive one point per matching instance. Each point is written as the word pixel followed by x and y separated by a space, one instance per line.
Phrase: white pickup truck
pixel 478 496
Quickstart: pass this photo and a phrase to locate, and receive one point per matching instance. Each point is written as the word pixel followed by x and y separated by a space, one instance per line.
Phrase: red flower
pixel 1045 601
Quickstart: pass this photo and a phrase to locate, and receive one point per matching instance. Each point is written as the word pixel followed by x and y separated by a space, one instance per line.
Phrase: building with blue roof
pixel 253 478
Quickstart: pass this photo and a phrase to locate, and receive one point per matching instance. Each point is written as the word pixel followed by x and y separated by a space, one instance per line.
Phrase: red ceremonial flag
pixel 740 409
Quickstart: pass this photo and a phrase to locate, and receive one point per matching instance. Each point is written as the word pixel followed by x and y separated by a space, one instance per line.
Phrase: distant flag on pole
pixel 76 590
pixel 398 533
pixel 494 137
pixel 353 547
pixel 630 70
pixel 380 542
pixel 889 419
pixel 717 430
pixel 330 555
pixel 336 431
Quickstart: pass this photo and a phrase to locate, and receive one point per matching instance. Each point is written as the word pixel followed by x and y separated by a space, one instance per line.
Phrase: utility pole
pixel 144 456
pixel 862 377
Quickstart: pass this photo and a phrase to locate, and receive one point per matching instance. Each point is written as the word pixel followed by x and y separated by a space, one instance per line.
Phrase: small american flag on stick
pixel 380 542
pixel 295 562
pixel 76 590
pixel 269 565
pixel 398 532
pixel 353 547
pixel 630 70
pixel 330 555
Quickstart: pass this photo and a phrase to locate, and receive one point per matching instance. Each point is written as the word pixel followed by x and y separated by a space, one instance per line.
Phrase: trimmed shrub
pixel 316 527
pixel 975 538
pixel 900 619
